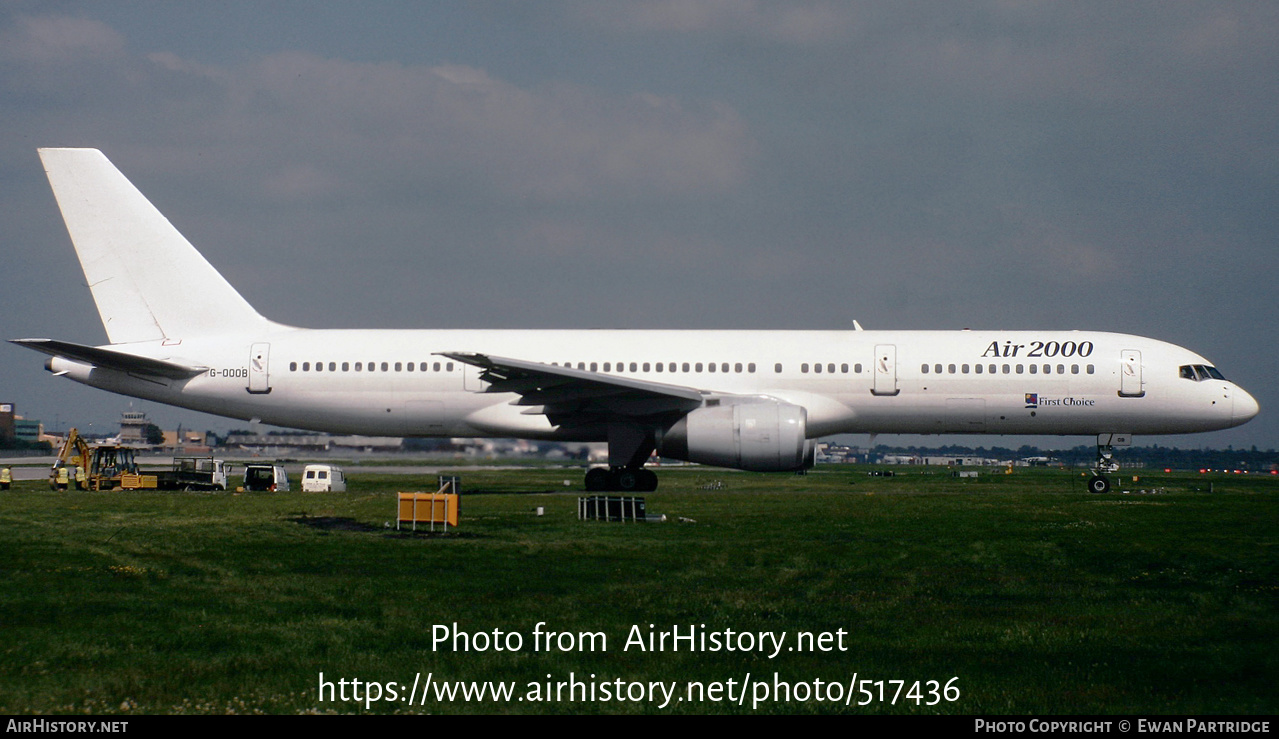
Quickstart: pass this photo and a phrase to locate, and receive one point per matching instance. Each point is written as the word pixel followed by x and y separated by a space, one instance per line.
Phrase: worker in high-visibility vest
pixel 81 479
pixel 63 479
pixel 6 478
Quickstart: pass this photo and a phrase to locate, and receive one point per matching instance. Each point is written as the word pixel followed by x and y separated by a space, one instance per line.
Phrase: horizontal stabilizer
pixel 111 359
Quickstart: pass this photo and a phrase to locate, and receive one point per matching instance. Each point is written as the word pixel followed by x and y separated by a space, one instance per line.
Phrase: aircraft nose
pixel 1245 407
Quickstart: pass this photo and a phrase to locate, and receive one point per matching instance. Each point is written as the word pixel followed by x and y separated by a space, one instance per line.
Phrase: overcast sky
pixel 665 164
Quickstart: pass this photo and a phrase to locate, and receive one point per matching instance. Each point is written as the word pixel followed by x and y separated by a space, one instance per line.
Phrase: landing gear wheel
pixel 620 479
pixel 597 480
pixel 1099 484
pixel 626 480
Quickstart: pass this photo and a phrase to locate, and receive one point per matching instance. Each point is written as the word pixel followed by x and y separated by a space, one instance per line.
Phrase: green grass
pixel 1038 597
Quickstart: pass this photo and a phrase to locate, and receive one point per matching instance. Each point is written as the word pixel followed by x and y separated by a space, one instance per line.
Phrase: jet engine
pixel 764 436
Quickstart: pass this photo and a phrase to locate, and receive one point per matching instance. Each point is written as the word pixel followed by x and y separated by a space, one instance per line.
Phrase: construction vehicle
pixel 103 467
pixel 72 460
pixel 115 467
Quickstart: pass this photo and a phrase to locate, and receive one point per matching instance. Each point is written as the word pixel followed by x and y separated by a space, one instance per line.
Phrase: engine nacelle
pixel 767 436
pixel 69 368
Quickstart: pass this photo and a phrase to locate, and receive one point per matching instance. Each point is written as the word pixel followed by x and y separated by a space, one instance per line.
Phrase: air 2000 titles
pixel 1040 349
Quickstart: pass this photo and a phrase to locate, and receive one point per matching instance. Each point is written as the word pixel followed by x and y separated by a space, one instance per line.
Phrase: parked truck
pixel 193 473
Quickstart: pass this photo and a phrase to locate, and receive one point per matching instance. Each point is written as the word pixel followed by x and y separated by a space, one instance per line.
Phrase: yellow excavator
pixel 103 467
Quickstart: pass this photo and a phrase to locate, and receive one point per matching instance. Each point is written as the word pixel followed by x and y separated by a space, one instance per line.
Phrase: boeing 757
pixel 180 334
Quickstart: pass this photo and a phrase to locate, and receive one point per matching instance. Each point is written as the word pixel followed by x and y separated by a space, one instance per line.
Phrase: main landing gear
pixel 621 479
pixel 1106 464
pixel 629 446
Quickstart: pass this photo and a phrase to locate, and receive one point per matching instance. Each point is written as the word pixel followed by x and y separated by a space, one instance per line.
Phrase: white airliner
pixel 754 400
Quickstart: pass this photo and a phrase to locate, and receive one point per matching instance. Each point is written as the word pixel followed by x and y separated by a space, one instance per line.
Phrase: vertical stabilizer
pixel 148 281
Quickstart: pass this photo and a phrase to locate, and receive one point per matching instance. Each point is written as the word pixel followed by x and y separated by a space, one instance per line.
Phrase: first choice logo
pixel 1034 401
pixel 1040 349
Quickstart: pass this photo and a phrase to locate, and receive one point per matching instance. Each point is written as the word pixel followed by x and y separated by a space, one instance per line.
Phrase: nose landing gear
pixel 1106 463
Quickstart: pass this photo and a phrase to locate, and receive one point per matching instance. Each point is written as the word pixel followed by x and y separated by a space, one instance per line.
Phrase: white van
pixel 266 477
pixel 323 478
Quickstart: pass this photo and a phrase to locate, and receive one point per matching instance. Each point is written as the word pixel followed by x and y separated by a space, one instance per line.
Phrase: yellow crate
pixel 429 508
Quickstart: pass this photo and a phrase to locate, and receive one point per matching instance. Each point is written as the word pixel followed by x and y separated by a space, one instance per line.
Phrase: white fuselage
pixel 395 382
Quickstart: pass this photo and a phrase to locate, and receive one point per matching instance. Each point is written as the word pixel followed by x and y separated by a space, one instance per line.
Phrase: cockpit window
pixel 1200 372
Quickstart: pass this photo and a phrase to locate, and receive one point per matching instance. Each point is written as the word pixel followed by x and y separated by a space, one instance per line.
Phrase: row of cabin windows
pixel 373 366
pixel 723 367
pixel 1007 369
pixel 711 367
pixel 829 368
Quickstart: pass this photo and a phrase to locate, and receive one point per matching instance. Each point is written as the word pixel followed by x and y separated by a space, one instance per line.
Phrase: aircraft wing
pixel 567 395
pixel 111 359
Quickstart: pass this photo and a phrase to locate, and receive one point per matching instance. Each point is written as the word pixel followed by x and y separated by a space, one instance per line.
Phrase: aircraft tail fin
pixel 147 280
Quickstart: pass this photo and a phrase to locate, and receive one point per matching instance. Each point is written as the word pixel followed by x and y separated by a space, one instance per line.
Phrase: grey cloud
pixel 59 41
pixel 792 23
pixel 331 126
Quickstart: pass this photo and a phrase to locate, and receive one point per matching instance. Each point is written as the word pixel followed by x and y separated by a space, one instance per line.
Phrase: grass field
pixel 1020 592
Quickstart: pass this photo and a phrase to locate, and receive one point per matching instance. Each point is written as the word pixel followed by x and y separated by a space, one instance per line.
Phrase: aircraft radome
pixel 754 400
